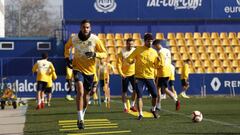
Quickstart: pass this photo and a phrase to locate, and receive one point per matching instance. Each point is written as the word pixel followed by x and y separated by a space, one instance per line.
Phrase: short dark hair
pixel 85 21
pixel 44 55
pixel 148 36
pixel 187 60
pixel 156 42
pixel 129 40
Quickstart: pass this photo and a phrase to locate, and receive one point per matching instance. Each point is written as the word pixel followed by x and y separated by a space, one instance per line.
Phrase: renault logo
pixel 215 84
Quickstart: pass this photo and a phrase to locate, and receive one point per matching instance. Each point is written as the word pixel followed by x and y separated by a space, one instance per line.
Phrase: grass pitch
pixel 221 116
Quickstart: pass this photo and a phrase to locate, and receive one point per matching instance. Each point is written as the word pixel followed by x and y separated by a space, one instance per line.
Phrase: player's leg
pixel 153 90
pixel 69 86
pixel 185 87
pixel 79 79
pixel 49 96
pixel 88 84
pixel 107 94
pixel 172 88
pixel 124 93
pixel 39 89
pixel 164 87
pixel 158 86
pixel 139 90
pixel 134 94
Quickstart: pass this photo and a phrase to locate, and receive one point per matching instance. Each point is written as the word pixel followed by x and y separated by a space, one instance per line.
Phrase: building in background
pixel 2 19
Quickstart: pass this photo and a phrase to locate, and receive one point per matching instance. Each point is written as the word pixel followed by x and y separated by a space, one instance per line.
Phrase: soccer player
pixel 163 74
pixel 48 90
pixel 87 47
pixel 146 60
pixel 184 79
pixel 172 80
pixel 127 72
pixel 43 68
pixel 69 74
pixel 104 69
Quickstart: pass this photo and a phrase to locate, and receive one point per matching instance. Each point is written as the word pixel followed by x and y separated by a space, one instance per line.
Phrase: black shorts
pixel 171 83
pixel 41 86
pixel 184 82
pixel 163 82
pixel 95 84
pixel 126 81
pixel 87 80
pixel 48 90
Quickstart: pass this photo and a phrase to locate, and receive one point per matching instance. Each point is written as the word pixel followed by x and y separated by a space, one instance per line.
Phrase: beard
pixel 83 37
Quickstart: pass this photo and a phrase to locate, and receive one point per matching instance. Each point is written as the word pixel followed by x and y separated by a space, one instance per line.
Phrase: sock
pixel 175 99
pixel 141 113
pixel 80 115
pixel 84 111
pixel 159 105
pixel 154 108
pixel 39 102
pixel 133 103
pixel 125 105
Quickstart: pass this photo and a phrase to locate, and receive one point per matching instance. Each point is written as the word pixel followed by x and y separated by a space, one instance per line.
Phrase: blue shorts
pixel 48 90
pixel 41 86
pixel 163 82
pixel 126 81
pixel 149 83
pixel 171 83
pixel 87 80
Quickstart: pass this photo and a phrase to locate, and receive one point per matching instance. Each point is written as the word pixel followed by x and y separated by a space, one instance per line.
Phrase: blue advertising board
pixel 214 84
pixel 223 9
pixel 121 10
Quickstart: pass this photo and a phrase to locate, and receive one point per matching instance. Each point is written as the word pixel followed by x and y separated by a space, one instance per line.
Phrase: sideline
pixel 12 120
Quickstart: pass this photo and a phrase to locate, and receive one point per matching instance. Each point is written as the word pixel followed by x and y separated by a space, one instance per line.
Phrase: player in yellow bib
pixel 44 68
pixel 163 74
pixel 87 47
pixel 146 61
pixel 184 79
pixel 127 72
pixel 48 90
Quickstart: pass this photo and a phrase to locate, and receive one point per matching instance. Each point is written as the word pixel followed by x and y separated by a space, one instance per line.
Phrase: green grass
pixel 222 116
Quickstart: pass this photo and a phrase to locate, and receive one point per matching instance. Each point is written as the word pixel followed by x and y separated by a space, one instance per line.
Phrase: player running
pixel 146 60
pixel 44 68
pixel 127 72
pixel 163 74
pixel 48 91
pixel 87 47
pixel 184 79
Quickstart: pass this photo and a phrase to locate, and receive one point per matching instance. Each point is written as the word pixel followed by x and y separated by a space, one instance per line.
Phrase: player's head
pixel 85 27
pixel 129 43
pixel 157 44
pixel 44 55
pixel 187 61
pixel 148 38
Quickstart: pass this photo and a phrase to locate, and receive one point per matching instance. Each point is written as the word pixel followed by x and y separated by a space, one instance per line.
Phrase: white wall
pixel 2 19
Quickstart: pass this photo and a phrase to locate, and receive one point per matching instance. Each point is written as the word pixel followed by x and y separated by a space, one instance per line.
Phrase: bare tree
pixel 28 18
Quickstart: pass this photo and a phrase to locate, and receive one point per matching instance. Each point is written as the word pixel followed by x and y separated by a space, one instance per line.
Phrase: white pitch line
pixel 188 116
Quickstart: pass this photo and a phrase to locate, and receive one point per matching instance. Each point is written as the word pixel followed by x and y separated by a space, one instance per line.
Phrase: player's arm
pixel 101 51
pixel 159 60
pixel 67 51
pixel 54 76
pixel 52 69
pixel 132 56
pixel 119 64
pixel 35 67
pixel 185 71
